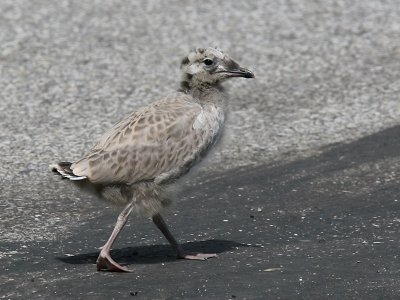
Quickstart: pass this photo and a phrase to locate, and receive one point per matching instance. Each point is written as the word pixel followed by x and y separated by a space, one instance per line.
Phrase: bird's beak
pixel 237 71
pixel 241 72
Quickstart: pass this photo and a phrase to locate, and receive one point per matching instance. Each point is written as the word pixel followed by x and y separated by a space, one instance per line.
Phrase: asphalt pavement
pixel 325 227
pixel 300 201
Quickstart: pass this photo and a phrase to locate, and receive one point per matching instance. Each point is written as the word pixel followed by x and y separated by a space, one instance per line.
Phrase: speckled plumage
pixel 152 141
pixel 152 147
pixel 135 163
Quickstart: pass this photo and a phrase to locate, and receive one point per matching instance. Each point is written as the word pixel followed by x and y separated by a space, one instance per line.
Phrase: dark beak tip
pixel 249 75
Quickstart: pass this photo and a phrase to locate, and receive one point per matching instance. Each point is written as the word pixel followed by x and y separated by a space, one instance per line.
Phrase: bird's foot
pixel 196 256
pixel 106 263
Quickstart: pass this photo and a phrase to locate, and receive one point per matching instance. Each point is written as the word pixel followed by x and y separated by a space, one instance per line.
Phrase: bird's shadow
pixel 154 254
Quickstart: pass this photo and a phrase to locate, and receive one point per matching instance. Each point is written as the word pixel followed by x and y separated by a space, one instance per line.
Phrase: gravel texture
pixel 326 72
pixel 324 227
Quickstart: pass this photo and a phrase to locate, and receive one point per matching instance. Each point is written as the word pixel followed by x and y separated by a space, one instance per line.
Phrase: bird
pixel 135 164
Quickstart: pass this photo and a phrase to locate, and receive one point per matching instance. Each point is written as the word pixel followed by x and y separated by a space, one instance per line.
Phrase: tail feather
pixel 64 169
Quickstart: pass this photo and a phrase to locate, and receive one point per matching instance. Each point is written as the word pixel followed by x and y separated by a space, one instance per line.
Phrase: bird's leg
pixel 104 261
pixel 160 223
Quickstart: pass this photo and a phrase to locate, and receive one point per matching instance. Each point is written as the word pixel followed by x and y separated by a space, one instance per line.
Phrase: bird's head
pixel 210 66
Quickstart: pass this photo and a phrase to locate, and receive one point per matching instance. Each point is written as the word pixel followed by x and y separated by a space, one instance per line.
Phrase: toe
pixel 199 256
pixel 106 263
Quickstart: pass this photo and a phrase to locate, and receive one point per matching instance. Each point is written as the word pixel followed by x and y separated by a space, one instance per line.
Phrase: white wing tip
pixel 58 169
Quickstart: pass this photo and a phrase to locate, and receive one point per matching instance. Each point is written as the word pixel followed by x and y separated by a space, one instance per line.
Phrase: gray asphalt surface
pixel 312 210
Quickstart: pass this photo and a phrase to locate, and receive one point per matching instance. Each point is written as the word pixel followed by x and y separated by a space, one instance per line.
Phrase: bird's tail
pixel 64 170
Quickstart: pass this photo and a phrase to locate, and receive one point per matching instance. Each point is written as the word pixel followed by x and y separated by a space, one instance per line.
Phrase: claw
pixel 197 256
pixel 106 263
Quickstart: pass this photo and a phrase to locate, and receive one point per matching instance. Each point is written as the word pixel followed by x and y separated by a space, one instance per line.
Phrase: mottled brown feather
pixel 164 137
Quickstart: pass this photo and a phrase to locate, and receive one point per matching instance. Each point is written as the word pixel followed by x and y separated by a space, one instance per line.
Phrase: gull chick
pixel 139 159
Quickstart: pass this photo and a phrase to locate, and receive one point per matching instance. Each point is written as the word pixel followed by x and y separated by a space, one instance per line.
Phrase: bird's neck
pixel 202 91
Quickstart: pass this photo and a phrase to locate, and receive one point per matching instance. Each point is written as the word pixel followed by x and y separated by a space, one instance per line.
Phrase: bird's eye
pixel 208 62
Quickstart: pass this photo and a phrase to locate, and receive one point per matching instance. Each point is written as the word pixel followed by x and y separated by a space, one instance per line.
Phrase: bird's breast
pixel 210 118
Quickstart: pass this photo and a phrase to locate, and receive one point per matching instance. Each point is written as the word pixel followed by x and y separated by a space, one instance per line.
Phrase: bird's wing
pixel 158 142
